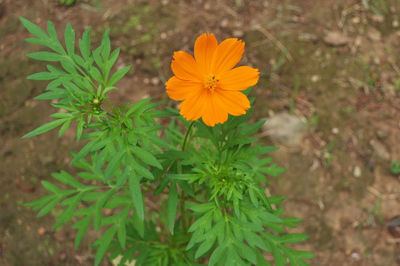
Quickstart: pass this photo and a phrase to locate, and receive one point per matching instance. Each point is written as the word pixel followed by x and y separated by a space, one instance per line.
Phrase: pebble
pixel 355 256
pixel 41 231
pixel 285 128
pixel 238 33
pixel 374 35
pixel 336 38
pixel 315 78
pixel 155 81
pixel 382 134
pixel 357 171
pixel 224 23
pixel 380 150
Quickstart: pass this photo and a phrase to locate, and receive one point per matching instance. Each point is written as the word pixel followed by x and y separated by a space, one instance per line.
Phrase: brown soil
pixel 348 90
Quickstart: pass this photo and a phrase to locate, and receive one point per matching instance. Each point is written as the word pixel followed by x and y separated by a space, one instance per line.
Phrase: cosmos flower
pixel 208 84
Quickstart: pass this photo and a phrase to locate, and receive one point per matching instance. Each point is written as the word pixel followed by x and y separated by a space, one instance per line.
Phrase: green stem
pixel 185 221
pixel 187 135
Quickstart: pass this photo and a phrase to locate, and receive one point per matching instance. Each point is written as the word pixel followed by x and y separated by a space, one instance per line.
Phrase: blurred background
pixel 329 89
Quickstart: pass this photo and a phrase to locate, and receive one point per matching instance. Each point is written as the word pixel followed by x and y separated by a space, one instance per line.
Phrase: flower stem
pixel 182 198
pixel 187 135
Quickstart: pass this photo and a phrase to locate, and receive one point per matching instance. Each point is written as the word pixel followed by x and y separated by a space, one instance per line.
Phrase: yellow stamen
pixel 211 83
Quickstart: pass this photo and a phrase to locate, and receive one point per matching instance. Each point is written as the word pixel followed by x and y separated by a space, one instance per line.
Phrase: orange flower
pixel 208 84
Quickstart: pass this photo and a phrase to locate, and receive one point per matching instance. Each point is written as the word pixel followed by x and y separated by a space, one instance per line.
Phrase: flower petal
pixel 192 108
pixel 239 78
pixel 227 55
pixel 179 90
pixel 233 102
pixel 204 49
pixel 184 67
pixel 213 114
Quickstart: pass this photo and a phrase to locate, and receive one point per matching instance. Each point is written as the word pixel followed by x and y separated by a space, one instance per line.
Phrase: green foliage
pixel 379 7
pixel 209 181
pixel 395 169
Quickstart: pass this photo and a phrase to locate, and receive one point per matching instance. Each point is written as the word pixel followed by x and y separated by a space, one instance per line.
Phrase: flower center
pixel 211 83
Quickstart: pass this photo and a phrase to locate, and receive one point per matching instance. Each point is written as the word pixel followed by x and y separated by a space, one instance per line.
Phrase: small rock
pixel 335 130
pixel 374 35
pixel 224 23
pixel 356 20
pixel 355 256
pixel 336 38
pixel 388 89
pixel 41 231
pixel 380 150
pixel 238 33
pixel 308 37
pixel 357 171
pixel 382 134
pixel 285 128
pixel 315 78
pixel 377 18
pixel 155 81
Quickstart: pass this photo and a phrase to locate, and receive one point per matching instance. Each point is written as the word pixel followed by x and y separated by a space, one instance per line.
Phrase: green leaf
pixel 246 252
pixel 138 224
pixel 99 208
pixel 82 226
pixel 33 29
pixel 114 164
pixel 43 76
pixel 216 255
pixel 51 187
pixel 51 95
pixel 121 180
pixel 103 243
pixel 293 238
pixel 64 127
pixel 113 58
pixel 44 128
pixel 49 206
pixel 122 232
pixel 86 149
pixel 303 254
pixel 118 75
pixel 45 56
pixel 279 259
pixel 137 106
pixel 136 194
pixel 200 208
pixel 254 240
pixel 53 35
pixel 105 43
pixel 269 217
pixel 67 179
pixel 66 216
pixel 248 130
pixel 205 246
pixel 84 44
pixel 79 128
pixel 146 156
pixel 142 171
pixel 172 206
pixel 37 204
pixel 69 37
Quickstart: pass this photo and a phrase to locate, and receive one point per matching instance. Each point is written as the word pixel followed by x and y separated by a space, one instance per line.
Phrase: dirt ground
pixel 335 64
